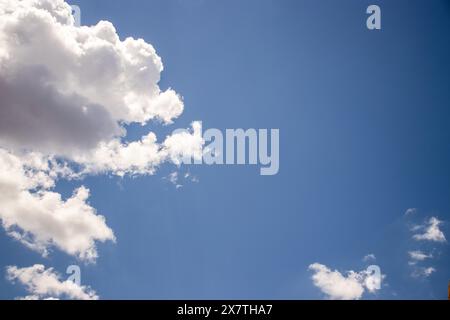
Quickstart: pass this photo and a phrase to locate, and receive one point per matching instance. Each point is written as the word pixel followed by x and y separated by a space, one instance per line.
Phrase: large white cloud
pixel 66 88
pixel 42 283
pixel 67 94
pixel 337 286
pixel 42 219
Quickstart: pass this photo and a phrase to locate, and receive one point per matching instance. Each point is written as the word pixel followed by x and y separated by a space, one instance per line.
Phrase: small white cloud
pixel 419 255
pixel 192 178
pixel 46 284
pixel 428 271
pixel 173 178
pixel 423 272
pixel 431 231
pixel 177 179
pixel 343 287
pixel 369 257
pixel 410 211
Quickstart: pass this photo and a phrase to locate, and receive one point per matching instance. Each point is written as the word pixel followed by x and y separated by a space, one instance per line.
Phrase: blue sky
pixel 364 136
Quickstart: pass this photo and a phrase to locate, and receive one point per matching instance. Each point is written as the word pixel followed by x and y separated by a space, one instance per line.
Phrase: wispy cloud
pixel 418 255
pixel 431 231
pixel 369 257
pixel 423 272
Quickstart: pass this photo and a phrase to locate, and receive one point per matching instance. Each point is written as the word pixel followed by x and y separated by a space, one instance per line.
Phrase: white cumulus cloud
pixel 349 286
pixel 41 219
pixel 68 93
pixel 46 284
pixel 142 157
pixel 66 88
